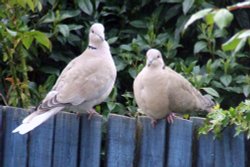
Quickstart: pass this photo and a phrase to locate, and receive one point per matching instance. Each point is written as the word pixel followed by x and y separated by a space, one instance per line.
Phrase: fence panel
pixel 71 140
pixel 41 145
pixel 1 135
pixel 203 152
pixel 90 140
pixel 15 145
pixel 66 140
pixel 230 150
pixel 179 145
pixel 152 142
pixel 120 141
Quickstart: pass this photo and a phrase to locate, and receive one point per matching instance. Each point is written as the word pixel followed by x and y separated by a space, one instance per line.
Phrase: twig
pixel 238 7
pixel 4 100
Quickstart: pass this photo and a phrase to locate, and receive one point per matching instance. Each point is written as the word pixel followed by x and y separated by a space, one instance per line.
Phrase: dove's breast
pixel 147 93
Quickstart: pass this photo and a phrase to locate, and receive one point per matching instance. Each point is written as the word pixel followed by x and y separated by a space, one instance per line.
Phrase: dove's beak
pixel 100 36
pixel 150 62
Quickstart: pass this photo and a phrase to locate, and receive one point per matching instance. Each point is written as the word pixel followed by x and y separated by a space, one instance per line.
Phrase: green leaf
pixel 210 18
pixel 30 4
pixel 132 72
pixel 240 45
pixel 74 27
pixel 48 18
pixel 112 40
pixel 199 46
pixel 50 70
pixel 64 29
pixel 226 79
pixel 65 14
pixel 42 39
pixel 223 18
pixel 232 43
pixel 138 24
pixel 245 34
pixel 171 1
pixel 186 5
pixel 5 57
pixel 27 41
pixel 39 6
pixel 86 6
pixel 11 32
pixel 126 47
pixel 211 91
pixel 198 15
pixel 246 90
pixel 97 2
pixel 21 3
pixel 111 105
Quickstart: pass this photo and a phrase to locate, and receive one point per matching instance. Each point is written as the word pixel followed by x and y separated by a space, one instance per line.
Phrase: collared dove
pixel 160 91
pixel 85 82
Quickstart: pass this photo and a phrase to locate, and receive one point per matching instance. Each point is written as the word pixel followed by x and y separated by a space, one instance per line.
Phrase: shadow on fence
pixel 68 140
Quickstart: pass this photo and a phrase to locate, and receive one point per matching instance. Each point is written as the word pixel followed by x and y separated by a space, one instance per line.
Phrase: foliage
pixel 16 39
pixel 204 54
pixel 219 119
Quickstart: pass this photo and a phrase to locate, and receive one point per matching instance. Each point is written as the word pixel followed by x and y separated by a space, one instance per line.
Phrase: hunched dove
pixel 160 91
pixel 85 82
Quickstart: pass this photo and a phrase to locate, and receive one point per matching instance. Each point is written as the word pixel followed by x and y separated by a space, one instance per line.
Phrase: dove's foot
pixel 153 122
pixel 78 114
pixel 170 118
pixel 91 113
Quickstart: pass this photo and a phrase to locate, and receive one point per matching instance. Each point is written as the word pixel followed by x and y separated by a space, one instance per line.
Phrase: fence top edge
pixel 120 116
pixel 11 108
pixel 197 118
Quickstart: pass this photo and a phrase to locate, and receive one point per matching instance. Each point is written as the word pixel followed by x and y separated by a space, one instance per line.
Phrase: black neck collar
pixel 92 47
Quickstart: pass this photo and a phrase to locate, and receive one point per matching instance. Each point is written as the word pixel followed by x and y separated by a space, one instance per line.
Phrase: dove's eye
pixel 158 56
pixel 92 31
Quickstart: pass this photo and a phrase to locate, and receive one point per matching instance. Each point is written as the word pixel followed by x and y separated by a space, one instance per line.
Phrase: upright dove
pixel 85 82
pixel 160 91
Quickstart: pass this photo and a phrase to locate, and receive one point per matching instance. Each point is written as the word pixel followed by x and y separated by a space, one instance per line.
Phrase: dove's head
pixel 154 58
pixel 96 34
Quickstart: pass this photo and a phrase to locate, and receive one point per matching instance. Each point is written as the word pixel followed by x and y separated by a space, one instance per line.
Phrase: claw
pixel 170 118
pixel 91 113
pixel 153 122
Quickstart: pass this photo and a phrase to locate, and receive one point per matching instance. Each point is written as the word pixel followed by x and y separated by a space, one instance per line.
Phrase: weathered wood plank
pixel 180 143
pixel 15 145
pixel 203 147
pixel 152 142
pixel 41 145
pixel 230 150
pixel 120 141
pixel 248 152
pixel 1 135
pixel 66 140
pixel 90 141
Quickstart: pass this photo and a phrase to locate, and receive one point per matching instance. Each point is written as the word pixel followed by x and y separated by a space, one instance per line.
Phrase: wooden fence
pixel 68 140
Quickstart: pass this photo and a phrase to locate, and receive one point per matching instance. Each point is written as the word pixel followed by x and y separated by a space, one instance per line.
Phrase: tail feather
pixel 208 103
pixel 36 119
pixel 31 116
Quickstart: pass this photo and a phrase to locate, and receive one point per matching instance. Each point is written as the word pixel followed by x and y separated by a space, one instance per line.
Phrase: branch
pixel 233 8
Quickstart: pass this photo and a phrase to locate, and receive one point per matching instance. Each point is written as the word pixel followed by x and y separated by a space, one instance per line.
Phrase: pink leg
pixel 170 118
pixel 91 113
pixel 153 122
pixel 78 114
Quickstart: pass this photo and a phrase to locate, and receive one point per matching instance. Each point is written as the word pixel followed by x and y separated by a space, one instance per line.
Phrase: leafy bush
pixel 17 37
pixel 218 120
pixel 131 28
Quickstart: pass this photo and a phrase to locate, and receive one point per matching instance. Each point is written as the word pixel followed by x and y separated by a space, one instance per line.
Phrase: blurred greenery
pixel 206 41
